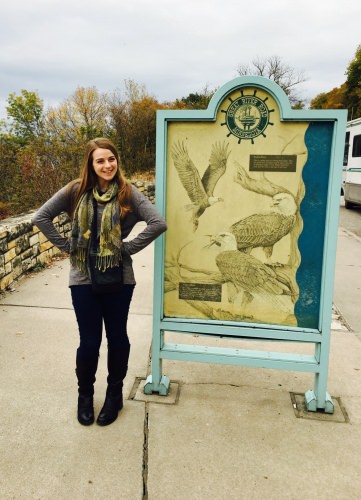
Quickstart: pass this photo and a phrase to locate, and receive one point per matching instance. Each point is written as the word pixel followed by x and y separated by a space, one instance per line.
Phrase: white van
pixel 352 163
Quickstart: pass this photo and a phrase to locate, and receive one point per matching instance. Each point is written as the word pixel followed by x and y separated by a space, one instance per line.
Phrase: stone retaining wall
pixel 24 248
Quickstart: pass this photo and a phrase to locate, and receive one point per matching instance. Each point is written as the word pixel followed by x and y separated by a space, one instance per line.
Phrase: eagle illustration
pixel 200 190
pixel 266 229
pixel 244 273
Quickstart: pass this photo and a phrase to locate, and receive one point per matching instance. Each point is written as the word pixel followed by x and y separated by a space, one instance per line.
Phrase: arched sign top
pixel 259 83
pixel 256 83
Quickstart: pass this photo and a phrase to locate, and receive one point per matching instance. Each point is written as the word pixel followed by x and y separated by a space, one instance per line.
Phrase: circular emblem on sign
pixel 247 117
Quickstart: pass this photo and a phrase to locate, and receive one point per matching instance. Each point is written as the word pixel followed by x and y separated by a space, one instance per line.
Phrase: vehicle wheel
pixel 348 204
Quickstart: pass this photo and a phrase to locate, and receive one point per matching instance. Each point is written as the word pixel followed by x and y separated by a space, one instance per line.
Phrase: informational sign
pixel 243 216
pixel 248 188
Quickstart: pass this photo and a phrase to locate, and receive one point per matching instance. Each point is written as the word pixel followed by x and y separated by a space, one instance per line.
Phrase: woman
pixel 104 209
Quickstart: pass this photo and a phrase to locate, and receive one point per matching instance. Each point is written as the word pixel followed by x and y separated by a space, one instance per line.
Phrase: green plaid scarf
pixel 109 251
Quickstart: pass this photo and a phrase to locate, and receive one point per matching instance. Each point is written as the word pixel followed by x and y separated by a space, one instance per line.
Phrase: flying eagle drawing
pixel 266 229
pixel 200 190
pixel 244 273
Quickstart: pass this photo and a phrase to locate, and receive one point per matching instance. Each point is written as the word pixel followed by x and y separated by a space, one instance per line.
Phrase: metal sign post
pixel 250 190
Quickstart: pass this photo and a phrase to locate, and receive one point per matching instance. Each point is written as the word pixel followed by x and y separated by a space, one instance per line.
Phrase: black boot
pixel 85 371
pixel 117 370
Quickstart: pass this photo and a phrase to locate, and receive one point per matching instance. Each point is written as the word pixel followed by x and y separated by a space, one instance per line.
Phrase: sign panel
pixel 250 190
pixel 246 200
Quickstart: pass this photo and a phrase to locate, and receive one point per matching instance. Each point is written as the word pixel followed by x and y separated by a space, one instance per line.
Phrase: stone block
pixel 43 258
pixel 45 246
pixel 10 255
pixel 2 270
pixel 54 251
pixel 63 218
pixel 42 238
pixel 27 264
pixel 6 281
pixel 27 254
pixel 22 243
pixel 13 232
pixel 34 239
pixel 3 244
pixel 17 267
pixel 36 249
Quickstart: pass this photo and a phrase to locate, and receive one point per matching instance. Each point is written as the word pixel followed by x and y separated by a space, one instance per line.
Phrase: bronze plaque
pixel 272 163
pixel 200 291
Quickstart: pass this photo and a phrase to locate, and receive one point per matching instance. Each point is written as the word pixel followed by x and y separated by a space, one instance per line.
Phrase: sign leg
pixel 156 382
pixel 319 399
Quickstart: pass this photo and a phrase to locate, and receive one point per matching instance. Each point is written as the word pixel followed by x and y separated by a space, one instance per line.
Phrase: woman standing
pixel 104 209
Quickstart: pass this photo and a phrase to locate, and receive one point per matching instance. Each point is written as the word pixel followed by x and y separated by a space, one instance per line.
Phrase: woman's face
pixel 105 167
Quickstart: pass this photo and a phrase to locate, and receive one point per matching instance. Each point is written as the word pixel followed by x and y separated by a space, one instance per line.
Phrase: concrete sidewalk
pixel 223 433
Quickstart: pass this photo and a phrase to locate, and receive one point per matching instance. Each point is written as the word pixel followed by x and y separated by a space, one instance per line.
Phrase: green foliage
pixel 42 151
pixel 10 175
pixel 319 102
pixel 81 117
pixel 197 100
pixel 133 123
pixel 335 99
pixel 298 105
pixel 353 86
pixel 26 114
pixel 348 95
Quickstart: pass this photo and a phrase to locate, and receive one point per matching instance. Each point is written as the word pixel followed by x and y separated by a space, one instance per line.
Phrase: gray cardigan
pixel 143 210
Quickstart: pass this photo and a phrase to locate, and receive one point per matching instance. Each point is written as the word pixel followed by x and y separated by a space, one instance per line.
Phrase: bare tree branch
pixel 273 68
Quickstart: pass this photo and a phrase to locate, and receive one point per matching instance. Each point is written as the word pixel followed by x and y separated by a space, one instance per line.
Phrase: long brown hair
pixel 88 178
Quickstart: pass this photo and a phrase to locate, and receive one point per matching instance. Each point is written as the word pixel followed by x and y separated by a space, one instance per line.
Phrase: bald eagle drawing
pixel 200 190
pixel 245 274
pixel 266 229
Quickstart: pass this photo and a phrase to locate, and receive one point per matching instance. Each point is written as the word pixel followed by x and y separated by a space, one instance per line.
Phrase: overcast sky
pixel 172 47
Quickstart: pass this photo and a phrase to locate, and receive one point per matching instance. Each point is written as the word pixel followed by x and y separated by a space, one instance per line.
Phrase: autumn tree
pixel 275 69
pixel 353 86
pixel 133 119
pixel 196 100
pixel 79 118
pixel 10 197
pixel 47 148
pixel 348 95
pixel 25 113
pixel 24 126
pixel 335 99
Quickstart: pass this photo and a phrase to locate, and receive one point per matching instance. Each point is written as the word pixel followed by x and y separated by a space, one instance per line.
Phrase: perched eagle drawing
pixel 266 229
pixel 200 190
pixel 244 273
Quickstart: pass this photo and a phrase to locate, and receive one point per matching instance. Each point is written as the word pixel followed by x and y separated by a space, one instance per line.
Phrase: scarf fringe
pixel 79 260
pixel 108 261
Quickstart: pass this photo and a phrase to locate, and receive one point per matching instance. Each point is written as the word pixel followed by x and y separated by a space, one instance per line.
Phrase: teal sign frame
pixel 273 152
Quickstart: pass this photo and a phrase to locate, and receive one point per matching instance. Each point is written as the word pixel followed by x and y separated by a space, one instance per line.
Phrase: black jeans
pixel 92 309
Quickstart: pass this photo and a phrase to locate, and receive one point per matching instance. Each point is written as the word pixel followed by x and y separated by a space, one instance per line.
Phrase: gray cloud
pixel 174 48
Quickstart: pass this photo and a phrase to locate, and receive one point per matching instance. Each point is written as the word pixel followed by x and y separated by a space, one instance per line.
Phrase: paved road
pixel 347 289
pixel 350 219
